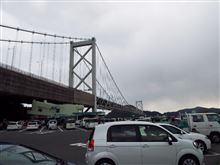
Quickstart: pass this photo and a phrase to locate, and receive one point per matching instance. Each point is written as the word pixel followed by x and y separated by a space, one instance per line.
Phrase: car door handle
pixel 145 146
pixel 210 125
pixel 194 126
pixel 112 146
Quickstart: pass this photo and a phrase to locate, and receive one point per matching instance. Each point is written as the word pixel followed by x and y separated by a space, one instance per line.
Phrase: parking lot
pixel 70 144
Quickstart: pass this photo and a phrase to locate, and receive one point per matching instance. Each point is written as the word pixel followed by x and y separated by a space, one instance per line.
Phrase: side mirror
pixel 170 140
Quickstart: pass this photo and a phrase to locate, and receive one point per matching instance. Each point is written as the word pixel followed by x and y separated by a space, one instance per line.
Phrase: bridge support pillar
pixel 87 58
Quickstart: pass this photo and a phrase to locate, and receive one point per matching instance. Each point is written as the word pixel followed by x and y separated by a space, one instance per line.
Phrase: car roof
pixel 123 123
pixel 164 124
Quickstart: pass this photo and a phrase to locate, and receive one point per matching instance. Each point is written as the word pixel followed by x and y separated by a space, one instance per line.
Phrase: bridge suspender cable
pixel 111 75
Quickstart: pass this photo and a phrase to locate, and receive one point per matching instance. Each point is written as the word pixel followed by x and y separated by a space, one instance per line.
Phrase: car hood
pixel 196 134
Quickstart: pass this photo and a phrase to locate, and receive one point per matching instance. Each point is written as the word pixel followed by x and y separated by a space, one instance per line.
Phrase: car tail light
pixel 91 145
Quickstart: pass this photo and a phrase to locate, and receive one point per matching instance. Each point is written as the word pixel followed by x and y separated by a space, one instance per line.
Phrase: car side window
pixel 197 118
pixel 213 117
pixel 151 133
pixel 122 133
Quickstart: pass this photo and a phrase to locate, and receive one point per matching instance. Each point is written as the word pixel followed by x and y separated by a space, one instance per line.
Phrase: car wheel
pixel 105 162
pixel 215 137
pixel 201 145
pixel 188 160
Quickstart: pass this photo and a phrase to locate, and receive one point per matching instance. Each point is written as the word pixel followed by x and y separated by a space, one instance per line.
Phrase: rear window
pixel 70 121
pixel 12 123
pixel 53 122
pixel 32 123
pixel 122 133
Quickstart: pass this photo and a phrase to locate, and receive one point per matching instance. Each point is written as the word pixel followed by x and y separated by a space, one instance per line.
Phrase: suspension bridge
pixel 60 69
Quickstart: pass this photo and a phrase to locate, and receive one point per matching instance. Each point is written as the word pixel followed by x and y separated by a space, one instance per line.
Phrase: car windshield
pixel 172 129
pixel 16 154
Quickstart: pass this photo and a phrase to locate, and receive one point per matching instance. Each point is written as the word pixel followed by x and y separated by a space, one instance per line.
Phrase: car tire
pixel 189 160
pixel 105 162
pixel 215 137
pixel 202 145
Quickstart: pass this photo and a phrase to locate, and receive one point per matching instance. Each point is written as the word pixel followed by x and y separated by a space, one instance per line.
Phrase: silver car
pixel 139 143
pixel 203 142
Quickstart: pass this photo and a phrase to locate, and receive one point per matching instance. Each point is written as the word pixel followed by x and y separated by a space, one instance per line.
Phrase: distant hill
pixel 152 113
pixel 133 112
pixel 196 110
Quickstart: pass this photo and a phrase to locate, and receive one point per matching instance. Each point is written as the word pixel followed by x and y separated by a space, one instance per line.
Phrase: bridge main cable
pixel 45 34
pixel 33 42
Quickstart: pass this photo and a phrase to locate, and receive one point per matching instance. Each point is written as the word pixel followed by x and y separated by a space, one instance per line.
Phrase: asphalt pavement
pixel 71 144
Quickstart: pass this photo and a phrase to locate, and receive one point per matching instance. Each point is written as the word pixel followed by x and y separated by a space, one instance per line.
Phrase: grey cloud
pixel 166 54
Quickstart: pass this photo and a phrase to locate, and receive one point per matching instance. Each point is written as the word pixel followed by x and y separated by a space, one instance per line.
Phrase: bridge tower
pixel 139 105
pixel 90 46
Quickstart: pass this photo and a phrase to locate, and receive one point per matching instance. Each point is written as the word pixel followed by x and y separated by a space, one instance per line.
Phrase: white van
pixel 205 123
pixel 139 143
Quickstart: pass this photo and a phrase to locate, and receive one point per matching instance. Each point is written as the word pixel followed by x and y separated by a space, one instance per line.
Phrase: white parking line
pixel 60 129
pixel 79 145
pixel 22 130
pixel 42 129
pixel 212 154
pixel 46 132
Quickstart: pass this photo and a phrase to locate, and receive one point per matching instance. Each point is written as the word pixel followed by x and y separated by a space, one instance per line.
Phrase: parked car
pixel 33 125
pixel 77 123
pixel 20 155
pixel 138 143
pixel 14 125
pixel 70 124
pixel 203 142
pixel 52 124
pixel 83 122
pixel 148 119
pixel 205 123
pixel 91 123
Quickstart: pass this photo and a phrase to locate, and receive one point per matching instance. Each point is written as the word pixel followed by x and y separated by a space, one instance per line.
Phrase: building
pixel 47 110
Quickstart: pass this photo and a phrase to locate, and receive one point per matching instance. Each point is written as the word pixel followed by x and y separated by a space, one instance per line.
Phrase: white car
pixel 205 123
pixel 91 123
pixel 33 125
pixel 139 143
pixel 15 125
pixel 203 142
pixel 52 124
pixel 70 124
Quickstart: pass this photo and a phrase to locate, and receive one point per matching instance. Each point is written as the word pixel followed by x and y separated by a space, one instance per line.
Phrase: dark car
pixel 21 155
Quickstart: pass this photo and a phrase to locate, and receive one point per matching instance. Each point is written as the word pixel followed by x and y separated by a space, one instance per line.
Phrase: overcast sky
pixel 165 53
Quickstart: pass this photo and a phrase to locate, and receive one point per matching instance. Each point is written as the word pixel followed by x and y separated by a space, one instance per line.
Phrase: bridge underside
pixel 23 88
